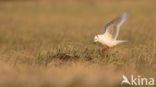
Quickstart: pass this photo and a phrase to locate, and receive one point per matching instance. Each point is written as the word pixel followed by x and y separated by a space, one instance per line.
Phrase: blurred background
pixel 49 43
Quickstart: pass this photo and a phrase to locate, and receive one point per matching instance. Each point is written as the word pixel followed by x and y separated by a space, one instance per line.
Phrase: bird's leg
pixel 105 49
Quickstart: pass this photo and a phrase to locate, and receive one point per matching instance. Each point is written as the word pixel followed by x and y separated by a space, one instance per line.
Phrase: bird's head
pixel 96 38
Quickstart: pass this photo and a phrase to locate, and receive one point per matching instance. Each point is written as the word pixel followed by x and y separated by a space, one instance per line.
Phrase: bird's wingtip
pixel 125 13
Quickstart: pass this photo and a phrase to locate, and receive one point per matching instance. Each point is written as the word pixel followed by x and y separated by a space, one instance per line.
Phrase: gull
pixel 111 32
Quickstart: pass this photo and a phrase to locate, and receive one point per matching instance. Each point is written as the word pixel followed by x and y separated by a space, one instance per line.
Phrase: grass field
pixel 50 43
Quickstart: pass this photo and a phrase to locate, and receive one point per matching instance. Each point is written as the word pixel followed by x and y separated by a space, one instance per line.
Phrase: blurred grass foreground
pixel 49 43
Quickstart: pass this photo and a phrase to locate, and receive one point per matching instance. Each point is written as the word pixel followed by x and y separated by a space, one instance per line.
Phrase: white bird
pixel 111 32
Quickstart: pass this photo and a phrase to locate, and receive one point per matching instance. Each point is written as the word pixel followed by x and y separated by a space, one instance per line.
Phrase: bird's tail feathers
pixel 122 41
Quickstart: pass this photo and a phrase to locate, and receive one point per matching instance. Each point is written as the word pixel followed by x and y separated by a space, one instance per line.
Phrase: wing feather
pixel 113 27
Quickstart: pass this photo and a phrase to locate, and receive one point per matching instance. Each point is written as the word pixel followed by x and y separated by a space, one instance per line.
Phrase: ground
pixel 47 43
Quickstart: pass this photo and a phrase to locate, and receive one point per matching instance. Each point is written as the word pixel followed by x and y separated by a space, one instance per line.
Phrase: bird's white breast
pixel 106 39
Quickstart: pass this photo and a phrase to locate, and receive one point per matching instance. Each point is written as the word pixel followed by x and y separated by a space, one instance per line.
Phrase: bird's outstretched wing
pixel 113 27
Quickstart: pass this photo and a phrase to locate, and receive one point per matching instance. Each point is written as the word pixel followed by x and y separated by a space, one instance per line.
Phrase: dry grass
pixel 50 43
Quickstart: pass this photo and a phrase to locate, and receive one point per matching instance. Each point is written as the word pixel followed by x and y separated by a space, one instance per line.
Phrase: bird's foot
pixel 105 49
